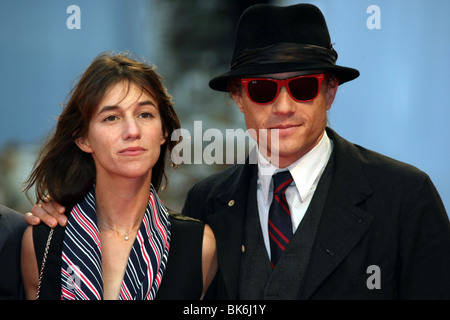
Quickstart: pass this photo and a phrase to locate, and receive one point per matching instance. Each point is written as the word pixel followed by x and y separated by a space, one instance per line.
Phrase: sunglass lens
pixel 304 88
pixel 262 91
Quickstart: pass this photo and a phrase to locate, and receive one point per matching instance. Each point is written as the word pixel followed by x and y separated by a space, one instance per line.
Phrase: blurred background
pixel 398 106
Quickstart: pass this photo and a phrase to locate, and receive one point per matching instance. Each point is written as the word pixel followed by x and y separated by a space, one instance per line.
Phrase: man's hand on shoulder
pixel 49 212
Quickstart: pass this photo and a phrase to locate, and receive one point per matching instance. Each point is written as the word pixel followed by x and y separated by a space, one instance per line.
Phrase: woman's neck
pixel 121 202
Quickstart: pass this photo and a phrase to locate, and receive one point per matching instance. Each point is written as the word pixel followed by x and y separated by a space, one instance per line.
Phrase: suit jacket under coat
pixel 12 227
pixel 379 212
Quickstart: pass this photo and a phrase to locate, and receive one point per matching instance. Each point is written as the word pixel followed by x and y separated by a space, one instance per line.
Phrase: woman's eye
pixel 110 118
pixel 146 115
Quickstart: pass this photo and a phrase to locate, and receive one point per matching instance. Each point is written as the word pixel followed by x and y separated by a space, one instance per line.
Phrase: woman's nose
pixel 131 129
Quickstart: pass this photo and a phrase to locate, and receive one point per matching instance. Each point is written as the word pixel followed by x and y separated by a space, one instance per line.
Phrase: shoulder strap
pixel 50 275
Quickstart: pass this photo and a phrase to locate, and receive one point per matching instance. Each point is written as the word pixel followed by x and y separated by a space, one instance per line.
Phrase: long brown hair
pixel 65 172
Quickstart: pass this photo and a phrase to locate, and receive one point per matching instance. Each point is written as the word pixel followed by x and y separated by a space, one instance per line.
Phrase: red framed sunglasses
pixel 301 88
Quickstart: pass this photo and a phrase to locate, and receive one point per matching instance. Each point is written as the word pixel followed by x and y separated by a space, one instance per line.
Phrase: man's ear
pixel 237 97
pixel 84 145
pixel 332 86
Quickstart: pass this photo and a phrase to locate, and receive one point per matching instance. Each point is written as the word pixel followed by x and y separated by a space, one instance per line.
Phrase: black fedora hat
pixel 271 39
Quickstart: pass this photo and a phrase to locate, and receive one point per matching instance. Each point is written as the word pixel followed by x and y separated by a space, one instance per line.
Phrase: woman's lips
pixel 132 151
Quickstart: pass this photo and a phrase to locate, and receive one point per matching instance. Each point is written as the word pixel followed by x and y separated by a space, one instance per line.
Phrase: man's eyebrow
pixel 115 107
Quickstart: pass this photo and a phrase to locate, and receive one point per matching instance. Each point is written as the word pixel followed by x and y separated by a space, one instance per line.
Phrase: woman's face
pixel 125 133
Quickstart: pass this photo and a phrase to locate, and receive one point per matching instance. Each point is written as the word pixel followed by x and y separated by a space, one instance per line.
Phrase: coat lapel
pixel 343 223
pixel 228 224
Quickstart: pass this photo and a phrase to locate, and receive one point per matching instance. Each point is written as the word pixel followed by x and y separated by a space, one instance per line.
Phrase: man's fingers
pixel 31 219
pixel 49 214
pixel 43 216
pixel 56 211
pixel 61 209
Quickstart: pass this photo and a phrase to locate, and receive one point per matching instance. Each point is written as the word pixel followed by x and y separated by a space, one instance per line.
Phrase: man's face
pixel 300 125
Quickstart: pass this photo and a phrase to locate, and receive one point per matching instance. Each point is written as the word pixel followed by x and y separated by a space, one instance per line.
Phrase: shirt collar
pixel 304 171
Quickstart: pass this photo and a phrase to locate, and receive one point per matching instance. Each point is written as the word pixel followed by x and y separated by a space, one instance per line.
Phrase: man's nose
pixel 283 104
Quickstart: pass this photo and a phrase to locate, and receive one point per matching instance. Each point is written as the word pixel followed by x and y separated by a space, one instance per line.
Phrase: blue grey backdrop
pixel 398 106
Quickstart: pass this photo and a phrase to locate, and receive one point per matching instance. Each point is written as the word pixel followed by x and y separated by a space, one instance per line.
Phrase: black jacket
pixel 12 227
pixel 379 213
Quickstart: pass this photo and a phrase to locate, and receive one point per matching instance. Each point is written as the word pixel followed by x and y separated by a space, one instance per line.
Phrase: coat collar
pixel 343 222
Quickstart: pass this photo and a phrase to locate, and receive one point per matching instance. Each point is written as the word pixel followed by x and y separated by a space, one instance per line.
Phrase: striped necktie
pixel 280 224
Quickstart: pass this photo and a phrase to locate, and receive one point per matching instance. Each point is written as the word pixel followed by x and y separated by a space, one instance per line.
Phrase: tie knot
pixel 281 181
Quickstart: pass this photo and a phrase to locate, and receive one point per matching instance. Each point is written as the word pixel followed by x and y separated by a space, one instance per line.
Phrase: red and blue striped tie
pixel 280 224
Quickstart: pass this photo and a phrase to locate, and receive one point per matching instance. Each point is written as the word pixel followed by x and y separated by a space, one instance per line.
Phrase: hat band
pixel 285 53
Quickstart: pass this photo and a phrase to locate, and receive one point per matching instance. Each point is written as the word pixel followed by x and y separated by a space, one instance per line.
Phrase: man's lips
pixel 132 151
pixel 285 128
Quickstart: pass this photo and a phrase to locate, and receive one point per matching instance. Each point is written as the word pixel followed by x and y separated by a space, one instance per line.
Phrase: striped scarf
pixel 81 271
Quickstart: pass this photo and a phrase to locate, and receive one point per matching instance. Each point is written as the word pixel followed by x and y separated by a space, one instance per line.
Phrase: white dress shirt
pixel 306 173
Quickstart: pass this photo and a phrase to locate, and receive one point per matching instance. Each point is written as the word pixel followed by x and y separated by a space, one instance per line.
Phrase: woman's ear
pixel 163 139
pixel 84 145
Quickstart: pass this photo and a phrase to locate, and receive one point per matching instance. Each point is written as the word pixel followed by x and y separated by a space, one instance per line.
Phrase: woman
pixel 106 162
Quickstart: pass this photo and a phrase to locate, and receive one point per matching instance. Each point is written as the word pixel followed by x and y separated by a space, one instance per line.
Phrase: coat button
pixel 231 203
pixel 243 248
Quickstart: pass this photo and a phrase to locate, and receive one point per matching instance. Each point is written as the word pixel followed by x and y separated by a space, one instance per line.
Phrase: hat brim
pixel 219 83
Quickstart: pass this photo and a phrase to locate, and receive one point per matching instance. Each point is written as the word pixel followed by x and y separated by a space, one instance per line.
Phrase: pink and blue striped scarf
pixel 81 271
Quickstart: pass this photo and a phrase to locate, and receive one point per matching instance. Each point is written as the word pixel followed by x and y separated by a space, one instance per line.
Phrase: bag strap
pixel 48 248
pixel 44 260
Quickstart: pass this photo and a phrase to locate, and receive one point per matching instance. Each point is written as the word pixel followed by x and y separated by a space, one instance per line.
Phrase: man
pixel 12 227
pixel 345 222
pixel 364 226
